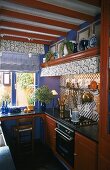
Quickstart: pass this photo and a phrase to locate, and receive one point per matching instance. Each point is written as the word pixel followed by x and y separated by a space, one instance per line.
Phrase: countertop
pixel 10 116
pixel 90 131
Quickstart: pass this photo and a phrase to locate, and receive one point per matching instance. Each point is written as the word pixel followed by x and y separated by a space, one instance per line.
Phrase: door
pixel 104 122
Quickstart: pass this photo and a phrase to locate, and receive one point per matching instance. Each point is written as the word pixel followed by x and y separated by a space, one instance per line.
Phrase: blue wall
pixel 52 82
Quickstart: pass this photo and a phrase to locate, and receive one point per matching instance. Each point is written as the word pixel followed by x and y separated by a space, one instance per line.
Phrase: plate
pixel 93 85
pixel 93 41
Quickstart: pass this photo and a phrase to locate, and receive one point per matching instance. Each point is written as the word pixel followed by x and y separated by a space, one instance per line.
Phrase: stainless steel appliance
pixel 65 142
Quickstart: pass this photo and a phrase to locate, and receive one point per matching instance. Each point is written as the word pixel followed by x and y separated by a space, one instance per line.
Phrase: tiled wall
pixel 22 47
pixel 84 66
pixel 83 80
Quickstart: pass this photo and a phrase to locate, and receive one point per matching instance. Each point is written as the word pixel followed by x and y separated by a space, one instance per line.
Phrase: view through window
pixel 5 87
pixel 24 87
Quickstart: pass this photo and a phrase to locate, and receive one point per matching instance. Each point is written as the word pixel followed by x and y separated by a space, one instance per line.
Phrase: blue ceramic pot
pixel 43 106
pixel 83 45
pixel 75 50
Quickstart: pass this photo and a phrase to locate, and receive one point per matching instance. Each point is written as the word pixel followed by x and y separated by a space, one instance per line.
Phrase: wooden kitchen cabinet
pixel 51 133
pixel 85 155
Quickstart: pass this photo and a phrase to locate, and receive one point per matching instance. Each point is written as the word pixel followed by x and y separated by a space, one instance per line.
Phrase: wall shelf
pixel 75 56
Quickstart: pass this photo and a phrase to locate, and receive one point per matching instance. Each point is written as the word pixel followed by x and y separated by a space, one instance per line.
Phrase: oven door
pixel 65 146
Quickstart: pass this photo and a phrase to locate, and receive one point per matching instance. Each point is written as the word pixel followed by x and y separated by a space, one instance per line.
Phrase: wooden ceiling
pixel 44 21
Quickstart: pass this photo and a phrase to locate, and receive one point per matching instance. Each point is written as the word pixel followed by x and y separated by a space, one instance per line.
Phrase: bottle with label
pixel 3 107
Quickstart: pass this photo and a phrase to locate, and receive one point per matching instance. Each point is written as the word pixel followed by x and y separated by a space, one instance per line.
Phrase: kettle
pixel 74 114
pixel 87 97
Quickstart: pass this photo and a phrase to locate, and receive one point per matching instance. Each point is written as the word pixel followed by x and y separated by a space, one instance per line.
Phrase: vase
pixel 43 106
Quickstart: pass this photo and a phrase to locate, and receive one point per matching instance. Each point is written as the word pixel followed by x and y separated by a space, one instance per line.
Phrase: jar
pixel 75 115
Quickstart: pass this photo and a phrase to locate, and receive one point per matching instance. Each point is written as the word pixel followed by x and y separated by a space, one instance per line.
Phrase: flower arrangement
pixel 43 94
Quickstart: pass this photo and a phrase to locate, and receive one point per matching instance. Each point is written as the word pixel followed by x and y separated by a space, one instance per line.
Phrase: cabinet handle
pixel 75 154
pixel 63 134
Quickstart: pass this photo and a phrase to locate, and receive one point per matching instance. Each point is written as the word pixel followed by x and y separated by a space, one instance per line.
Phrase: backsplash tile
pixel 84 66
pixel 83 80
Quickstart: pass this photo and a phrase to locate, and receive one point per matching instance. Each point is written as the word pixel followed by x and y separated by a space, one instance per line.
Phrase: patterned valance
pixel 21 47
pixel 89 65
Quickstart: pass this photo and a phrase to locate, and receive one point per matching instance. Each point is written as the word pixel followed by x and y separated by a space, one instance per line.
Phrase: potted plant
pixel 44 95
pixel 69 46
pixel 30 100
pixel 49 56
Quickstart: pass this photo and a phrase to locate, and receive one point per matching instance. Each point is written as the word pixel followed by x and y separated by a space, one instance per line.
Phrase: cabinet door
pixel 104 121
pixel 50 133
pixel 85 153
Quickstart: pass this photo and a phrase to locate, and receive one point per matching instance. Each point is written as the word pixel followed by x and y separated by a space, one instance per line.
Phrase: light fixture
pixel 54 92
pixel 30 55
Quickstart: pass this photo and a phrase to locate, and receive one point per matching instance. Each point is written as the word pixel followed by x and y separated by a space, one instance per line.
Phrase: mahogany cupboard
pixel 104 121
pixel 50 133
pixel 86 155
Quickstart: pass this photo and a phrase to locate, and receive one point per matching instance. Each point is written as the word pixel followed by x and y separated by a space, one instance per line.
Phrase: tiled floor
pixel 42 159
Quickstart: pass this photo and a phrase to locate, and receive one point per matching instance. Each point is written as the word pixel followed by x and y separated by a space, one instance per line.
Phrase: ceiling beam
pixel 24 40
pixel 32 28
pixel 37 19
pixel 54 9
pixel 92 2
pixel 30 35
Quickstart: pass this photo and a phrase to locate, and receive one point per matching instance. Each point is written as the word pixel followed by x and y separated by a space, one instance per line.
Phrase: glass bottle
pixel 3 107
pixel 6 108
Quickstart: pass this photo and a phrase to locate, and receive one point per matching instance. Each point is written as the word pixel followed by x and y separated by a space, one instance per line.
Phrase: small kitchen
pixel 68 124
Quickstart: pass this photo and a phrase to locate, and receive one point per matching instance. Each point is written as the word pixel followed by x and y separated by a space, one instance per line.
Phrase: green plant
pixel 49 55
pixel 25 79
pixel 31 99
pixel 43 94
pixel 69 45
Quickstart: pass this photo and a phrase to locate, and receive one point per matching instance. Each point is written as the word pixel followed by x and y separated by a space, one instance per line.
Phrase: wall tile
pixel 89 65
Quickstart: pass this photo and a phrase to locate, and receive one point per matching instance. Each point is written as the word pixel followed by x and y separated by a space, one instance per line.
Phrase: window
pixel 5 87
pixel 24 88
pixel 17 89
pixel 6 78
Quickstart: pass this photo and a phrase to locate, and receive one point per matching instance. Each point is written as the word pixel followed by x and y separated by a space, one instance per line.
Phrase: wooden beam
pixel 24 40
pixel 92 2
pixel 25 34
pixel 54 9
pixel 37 19
pixel 31 28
